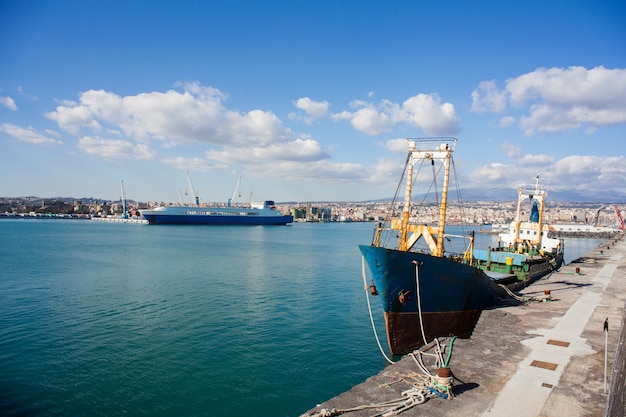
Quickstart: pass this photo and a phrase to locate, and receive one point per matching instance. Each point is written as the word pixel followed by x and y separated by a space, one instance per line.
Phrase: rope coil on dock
pixel 425 386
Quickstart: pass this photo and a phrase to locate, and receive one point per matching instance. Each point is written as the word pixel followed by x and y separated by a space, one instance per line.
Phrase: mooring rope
pixel 419 299
pixel 524 299
pixel 369 307
pixel 429 386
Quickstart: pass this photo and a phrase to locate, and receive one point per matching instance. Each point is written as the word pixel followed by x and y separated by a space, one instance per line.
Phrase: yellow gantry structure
pixel 425 150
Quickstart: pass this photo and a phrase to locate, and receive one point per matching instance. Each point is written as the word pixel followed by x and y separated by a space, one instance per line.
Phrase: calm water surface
pixel 108 319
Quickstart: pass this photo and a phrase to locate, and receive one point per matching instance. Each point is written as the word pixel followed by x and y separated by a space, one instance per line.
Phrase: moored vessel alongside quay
pixel 427 291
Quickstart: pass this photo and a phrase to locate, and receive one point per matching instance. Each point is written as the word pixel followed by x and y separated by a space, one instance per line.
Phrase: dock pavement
pixel 540 358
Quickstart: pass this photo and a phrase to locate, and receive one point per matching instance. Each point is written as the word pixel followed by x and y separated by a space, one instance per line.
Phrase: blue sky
pixel 307 100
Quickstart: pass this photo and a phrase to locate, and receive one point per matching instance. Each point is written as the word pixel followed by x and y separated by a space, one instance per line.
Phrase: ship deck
pixel 528 360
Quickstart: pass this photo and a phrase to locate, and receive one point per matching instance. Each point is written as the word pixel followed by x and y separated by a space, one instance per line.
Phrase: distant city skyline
pixel 309 101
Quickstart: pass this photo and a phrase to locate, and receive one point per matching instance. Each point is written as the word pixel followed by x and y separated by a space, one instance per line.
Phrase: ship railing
pixel 433 143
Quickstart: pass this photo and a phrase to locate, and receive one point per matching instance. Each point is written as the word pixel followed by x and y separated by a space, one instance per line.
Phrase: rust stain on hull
pixel 404 331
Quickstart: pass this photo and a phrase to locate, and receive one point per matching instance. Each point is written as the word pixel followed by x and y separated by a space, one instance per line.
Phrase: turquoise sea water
pixel 108 319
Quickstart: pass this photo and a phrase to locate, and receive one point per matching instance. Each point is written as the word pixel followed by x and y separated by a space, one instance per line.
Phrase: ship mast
pixel 406 210
pixel 444 202
pixel 540 196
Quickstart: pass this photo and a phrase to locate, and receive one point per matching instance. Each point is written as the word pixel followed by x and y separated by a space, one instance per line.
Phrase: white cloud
pixel 397 145
pixel 313 110
pixel 317 171
pixel 28 134
pixel 423 111
pixel 533 161
pixel 195 115
pixel 512 150
pixel 487 98
pixel 576 173
pixel 297 150
pixel 387 171
pixel 192 164
pixel 110 148
pixel 558 99
pixel 488 174
pixel 507 121
pixel 72 119
pixel 429 114
pixel 366 119
pixel 9 103
pixel 590 173
pixel 316 109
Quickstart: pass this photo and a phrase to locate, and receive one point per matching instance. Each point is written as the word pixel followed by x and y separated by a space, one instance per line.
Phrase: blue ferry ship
pixel 256 214
pixel 264 213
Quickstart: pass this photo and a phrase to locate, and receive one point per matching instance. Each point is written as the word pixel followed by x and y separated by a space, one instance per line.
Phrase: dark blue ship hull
pixel 451 295
pixel 218 220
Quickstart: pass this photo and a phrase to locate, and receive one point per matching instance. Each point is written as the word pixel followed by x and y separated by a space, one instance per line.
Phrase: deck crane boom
pixel 230 200
pixel 123 198
pixel 619 218
pixel 595 220
pixel 194 193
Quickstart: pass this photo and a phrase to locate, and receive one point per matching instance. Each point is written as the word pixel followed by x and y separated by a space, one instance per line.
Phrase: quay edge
pixel 533 359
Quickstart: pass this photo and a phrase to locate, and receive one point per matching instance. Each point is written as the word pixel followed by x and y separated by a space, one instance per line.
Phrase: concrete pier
pixel 534 359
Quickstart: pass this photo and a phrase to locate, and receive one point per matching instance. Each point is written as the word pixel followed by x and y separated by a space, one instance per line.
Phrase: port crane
pixel 123 198
pixel 618 214
pixel 619 218
pixel 232 197
pixel 193 193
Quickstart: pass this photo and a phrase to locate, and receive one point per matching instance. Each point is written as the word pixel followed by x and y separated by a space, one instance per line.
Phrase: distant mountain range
pixel 510 195
pixel 468 194
pixel 507 194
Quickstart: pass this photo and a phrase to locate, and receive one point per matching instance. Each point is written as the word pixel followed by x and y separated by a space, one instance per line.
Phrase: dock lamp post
pixel 606 342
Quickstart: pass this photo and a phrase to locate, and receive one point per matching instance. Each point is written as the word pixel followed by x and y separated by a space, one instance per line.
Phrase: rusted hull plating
pixel 403 337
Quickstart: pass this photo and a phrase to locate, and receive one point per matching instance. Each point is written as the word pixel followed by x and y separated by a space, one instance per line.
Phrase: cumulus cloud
pixel 558 99
pixel 512 150
pixel 110 148
pixel 487 98
pixel 575 173
pixel 313 110
pixel 397 145
pixel 196 115
pixel 317 171
pixel 423 111
pixel 507 121
pixel 298 150
pixel 192 164
pixel 29 135
pixel 366 119
pixel 428 113
pixel 9 103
